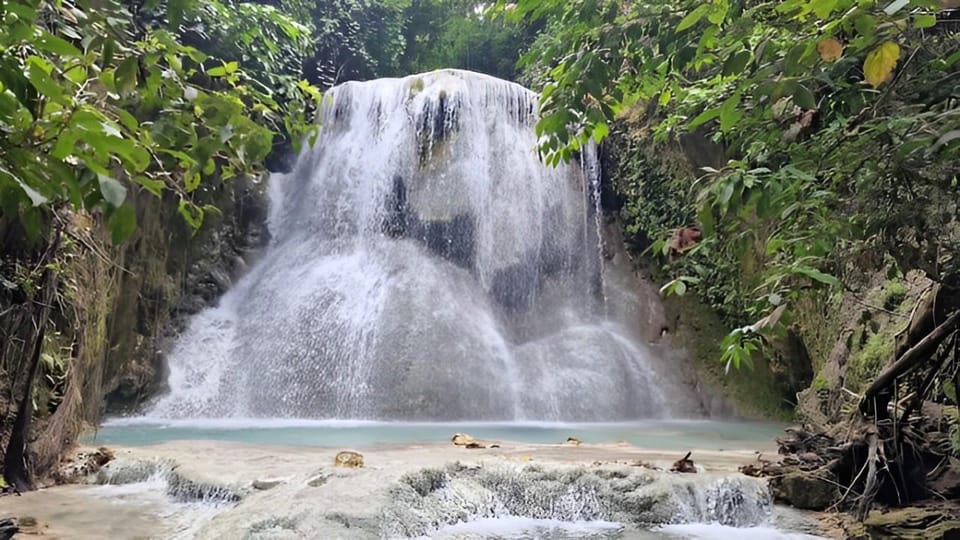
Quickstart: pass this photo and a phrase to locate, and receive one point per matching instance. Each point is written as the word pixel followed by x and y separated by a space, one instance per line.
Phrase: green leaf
pixel 127 74
pixel 704 117
pixel 676 286
pixel 600 131
pixel 76 75
pixel 55 45
pixel 823 8
pixel 924 21
pixel 38 73
pixel 228 68
pixel 36 198
pixel 128 120
pixel 729 114
pixel 866 26
pixel 707 222
pixel 122 223
pixel 952 59
pixel 736 63
pixel 726 193
pixel 112 190
pixel 680 288
pixel 32 220
pixel 211 209
pixel 191 181
pixel 816 275
pixel 718 11
pixel 693 17
pixel 950 391
pixel 803 97
pixel 191 214
pixel 153 186
pixel 792 63
pixel 109 49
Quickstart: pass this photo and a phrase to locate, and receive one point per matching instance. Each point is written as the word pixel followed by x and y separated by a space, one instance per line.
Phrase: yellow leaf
pixel 830 50
pixel 880 63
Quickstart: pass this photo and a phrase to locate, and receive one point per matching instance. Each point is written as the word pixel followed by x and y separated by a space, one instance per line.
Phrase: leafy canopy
pixel 95 102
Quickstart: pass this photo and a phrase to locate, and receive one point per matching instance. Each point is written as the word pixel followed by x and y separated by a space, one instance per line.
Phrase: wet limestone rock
pixel 462 439
pixel 424 500
pixel 912 522
pixel 349 459
pixel 318 479
pixel 264 484
pixel 467 441
pixel 805 490
pixel 81 463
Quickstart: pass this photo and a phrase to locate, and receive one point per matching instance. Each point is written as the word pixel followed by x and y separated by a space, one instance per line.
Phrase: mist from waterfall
pixel 424 264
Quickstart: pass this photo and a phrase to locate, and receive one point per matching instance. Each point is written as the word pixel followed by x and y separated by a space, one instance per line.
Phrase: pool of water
pixel 650 434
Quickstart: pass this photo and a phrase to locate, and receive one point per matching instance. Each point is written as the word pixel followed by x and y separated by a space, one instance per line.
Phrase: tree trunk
pixel 16 468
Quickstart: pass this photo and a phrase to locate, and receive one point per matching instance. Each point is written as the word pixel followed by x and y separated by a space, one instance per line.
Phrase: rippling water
pixel 656 435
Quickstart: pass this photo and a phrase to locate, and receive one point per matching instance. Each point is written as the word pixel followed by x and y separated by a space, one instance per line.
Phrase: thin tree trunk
pixel 16 468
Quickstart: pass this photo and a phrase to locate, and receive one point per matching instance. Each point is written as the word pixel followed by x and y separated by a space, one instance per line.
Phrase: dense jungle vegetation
pixel 106 105
pixel 813 145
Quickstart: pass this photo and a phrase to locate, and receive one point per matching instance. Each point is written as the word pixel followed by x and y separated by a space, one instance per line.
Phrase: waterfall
pixel 423 265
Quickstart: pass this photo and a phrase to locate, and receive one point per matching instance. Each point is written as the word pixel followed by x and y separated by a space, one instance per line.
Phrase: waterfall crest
pixel 424 265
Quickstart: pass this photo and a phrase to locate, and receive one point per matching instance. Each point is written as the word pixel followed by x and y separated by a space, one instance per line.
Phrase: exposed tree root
pixel 892 445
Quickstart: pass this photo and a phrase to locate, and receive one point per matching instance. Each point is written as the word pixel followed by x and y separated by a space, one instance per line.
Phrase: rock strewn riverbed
pixel 403 490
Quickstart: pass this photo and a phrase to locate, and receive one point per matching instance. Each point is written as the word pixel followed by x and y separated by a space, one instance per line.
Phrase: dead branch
pixel 910 359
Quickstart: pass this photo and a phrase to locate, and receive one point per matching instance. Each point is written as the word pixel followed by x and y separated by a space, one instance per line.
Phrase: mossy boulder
pixel 912 522
pixel 807 490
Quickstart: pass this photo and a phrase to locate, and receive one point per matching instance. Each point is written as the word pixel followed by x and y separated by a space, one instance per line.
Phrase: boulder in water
pixel 349 459
pixel 462 439
pixel 684 465
pixel 318 479
pixel 82 463
pixel 482 444
pixel 264 484
pixel 807 490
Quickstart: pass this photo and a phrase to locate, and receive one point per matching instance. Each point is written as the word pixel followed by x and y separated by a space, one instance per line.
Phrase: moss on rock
pixel 748 392
pixel 806 490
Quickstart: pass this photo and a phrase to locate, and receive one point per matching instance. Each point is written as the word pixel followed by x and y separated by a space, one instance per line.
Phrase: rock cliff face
pixel 115 307
pixel 175 276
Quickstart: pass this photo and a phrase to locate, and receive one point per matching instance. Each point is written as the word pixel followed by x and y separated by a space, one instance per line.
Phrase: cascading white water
pixel 424 264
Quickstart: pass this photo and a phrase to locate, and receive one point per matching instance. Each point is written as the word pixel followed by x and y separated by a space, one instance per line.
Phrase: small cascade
pixel 424 265
pixel 432 500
